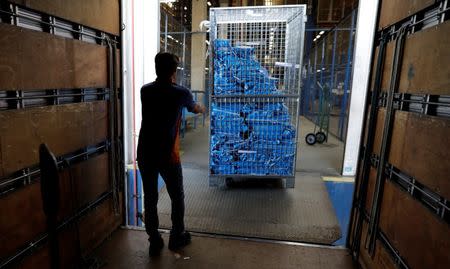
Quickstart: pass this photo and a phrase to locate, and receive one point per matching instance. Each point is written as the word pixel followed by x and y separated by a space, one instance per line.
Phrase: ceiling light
pixel 208 3
pixel 185 8
pixel 318 36
pixel 321 32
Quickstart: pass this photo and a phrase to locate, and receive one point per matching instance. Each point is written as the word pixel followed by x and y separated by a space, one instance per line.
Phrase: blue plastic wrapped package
pixel 222 156
pixel 278 108
pixel 221 169
pixel 227 119
pixel 248 138
pixel 277 147
pixel 222 161
pixel 222 47
pixel 222 85
pixel 252 168
pixel 229 62
pixel 281 165
pixel 266 118
pixel 273 131
pixel 243 51
pixel 222 43
pixel 269 114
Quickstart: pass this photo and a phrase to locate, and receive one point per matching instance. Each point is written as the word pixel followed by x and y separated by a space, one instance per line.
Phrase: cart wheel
pixel 310 139
pixel 321 137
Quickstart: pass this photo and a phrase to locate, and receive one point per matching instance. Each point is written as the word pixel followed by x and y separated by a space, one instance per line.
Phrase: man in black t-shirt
pixel 158 149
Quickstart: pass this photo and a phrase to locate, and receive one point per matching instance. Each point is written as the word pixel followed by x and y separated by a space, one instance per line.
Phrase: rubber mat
pixel 256 209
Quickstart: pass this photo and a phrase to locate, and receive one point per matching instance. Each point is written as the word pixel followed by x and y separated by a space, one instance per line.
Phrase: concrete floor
pixel 128 249
pixel 325 158
pixel 316 221
pixel 259 208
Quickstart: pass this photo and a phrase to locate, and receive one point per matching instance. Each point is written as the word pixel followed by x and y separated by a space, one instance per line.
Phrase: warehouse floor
pixel 128 249
pixel 302 214
pixel 263 208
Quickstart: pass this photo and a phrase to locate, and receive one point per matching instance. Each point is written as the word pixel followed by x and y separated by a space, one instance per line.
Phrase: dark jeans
pixel 173 177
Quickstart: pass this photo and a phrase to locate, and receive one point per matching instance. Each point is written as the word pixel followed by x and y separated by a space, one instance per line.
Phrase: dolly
pixel 322 119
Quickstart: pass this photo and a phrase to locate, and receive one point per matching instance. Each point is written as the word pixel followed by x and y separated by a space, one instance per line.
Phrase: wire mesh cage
pixel 255 75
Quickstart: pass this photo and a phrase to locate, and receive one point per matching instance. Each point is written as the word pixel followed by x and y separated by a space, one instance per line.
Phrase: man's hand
pixel 199 109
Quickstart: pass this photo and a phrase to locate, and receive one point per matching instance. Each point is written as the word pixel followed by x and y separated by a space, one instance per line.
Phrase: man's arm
pixel 198 109
pixel 191 105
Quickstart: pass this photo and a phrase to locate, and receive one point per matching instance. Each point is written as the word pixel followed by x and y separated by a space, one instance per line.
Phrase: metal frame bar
pixel 348 72
pixel 435 202
pixel 43 238
pixel 28 175
pixel 258 7
pixel 426 104
pixel 392 251
pixel 52 24
pixel 361 194
pixel 441 8
pixel 387 134
pixel 247 239
pixel 52 97
pixel 113 123
pixel 398 260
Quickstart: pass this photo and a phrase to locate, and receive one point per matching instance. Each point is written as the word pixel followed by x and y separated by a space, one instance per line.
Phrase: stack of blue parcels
pixel 248 138
pixel 236 71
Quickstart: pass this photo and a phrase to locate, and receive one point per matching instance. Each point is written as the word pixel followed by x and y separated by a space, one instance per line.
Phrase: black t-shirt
pixel 162 104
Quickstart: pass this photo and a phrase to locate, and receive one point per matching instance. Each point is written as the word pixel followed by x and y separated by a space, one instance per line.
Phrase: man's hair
pixel 166 64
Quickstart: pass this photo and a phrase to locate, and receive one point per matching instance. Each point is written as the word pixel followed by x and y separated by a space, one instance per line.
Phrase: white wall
pixel 365 30
pixel 140 43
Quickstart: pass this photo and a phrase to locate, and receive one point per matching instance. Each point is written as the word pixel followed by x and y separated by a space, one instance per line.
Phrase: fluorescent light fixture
pixel 321 32
pixel 208 3
pixel 318 36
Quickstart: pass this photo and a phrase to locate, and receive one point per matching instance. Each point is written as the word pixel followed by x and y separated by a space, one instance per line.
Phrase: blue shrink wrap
pixel 248 138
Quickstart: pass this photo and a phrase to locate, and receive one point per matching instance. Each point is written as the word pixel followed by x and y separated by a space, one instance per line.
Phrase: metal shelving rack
pixel 255 77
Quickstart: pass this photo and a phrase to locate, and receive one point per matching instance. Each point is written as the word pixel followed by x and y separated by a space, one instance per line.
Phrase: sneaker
pixel 156 245
pixel 179 241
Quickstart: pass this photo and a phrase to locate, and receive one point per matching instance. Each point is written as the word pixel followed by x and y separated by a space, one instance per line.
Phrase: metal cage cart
pixel 255 73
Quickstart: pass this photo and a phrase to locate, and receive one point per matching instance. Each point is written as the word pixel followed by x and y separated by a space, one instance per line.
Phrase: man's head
pixel 166 65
